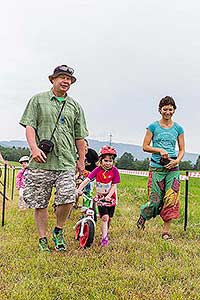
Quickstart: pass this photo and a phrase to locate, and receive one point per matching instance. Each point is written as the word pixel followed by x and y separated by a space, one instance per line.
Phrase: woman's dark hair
pixel 167 101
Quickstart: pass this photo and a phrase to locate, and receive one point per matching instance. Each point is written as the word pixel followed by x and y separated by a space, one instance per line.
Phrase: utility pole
pixel 110 142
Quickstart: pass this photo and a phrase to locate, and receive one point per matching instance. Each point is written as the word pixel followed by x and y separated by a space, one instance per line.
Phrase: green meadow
pixel 136 264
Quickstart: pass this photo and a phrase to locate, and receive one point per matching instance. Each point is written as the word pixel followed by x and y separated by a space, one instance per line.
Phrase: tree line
pixel 13 154
pixel 128 162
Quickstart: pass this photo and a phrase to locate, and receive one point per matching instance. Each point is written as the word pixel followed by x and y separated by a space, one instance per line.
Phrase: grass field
pixel 135 265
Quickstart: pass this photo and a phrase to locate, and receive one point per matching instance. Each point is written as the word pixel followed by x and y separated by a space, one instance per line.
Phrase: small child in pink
pixel 107 177
pixel 20 181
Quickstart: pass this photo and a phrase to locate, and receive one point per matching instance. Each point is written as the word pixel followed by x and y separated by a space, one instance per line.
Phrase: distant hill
pixel 14 143
pixel 135 150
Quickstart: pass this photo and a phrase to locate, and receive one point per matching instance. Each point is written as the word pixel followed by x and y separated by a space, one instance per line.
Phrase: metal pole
pixel 8 172
pixel 4 194
pixel 110 142
pixel 13 182
pixel 186 201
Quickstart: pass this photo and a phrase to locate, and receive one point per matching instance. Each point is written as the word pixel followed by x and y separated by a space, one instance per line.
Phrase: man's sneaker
pixel 104 242
pixel 140 223
pixel 43 245
pixel 59 241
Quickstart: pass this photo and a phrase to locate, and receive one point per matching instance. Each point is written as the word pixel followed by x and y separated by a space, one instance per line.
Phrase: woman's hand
pixel 163 153
pixel 172 164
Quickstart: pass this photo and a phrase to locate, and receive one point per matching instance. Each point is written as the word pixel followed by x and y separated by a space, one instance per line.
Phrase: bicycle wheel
pixel 77 232
pixel 95 212
pixel 88 234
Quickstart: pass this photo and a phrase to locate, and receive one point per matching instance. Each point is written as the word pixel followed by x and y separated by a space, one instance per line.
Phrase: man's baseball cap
pixel 63 69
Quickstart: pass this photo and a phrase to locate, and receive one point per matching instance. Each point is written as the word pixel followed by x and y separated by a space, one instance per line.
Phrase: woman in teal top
pixel 164 176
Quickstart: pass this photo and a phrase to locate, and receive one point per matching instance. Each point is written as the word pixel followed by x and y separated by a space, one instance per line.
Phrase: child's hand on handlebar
pixel 108 198
pixel 79 192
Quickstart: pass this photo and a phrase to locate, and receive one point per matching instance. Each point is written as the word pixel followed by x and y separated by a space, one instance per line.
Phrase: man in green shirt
pixel 56 168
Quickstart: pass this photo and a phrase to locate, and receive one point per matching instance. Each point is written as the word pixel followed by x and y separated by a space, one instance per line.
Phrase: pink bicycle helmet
pixel 105 150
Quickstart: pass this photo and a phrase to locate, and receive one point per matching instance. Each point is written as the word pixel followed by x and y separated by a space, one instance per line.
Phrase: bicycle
pixel 86 225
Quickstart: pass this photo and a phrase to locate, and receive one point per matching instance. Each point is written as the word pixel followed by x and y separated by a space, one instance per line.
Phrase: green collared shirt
pixel 41 113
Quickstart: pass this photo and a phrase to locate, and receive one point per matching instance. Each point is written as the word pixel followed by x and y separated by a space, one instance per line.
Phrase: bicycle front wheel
pixel 77 232
pixel 87 239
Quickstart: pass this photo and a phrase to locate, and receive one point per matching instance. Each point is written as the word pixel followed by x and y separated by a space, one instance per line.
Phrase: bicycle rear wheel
pixel 87 239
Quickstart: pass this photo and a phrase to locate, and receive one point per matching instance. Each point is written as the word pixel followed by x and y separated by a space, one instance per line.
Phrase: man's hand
pixel 80 166
pixel 78 193
pixel 38 155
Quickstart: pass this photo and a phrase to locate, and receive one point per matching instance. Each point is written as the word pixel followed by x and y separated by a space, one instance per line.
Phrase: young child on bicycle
pixel 107 177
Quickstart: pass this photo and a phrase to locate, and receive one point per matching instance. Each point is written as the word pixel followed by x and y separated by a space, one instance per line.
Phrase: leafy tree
pixel 197 165
pixel 141 165
pixel 186 165
pixel 13 154
pixel 125 161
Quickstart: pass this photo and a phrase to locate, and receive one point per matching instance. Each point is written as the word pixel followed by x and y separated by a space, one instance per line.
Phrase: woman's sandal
pixel 167 236
pixel 140 222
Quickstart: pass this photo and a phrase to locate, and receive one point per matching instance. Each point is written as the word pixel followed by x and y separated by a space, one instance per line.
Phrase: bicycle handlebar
pixel 95 199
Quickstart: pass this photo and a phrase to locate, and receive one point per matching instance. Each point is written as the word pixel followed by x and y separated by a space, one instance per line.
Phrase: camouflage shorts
pixel 39 184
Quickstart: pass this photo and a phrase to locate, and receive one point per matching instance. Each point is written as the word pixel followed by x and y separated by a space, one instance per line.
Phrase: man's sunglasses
pixel 66 69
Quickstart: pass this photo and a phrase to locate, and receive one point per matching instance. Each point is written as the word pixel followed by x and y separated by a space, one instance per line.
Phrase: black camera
pixel 164 161
pixel 46 146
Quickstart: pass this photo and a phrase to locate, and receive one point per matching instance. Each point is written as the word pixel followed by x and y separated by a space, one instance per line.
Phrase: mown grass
pixel 136 264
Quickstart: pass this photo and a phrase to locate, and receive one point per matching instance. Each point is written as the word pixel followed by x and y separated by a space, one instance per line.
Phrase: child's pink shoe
pixel 104 242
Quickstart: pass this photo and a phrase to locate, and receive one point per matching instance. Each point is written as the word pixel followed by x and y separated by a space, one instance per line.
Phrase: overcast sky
pixel 126 54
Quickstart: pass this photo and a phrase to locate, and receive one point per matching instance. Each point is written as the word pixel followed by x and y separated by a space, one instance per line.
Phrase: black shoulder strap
pixel 58 119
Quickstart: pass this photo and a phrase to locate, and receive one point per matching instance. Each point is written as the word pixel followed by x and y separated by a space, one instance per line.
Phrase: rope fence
pixel 146 173
pixel 6 182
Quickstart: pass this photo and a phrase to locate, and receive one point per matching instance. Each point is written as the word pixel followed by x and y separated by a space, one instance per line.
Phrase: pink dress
pixel 20 184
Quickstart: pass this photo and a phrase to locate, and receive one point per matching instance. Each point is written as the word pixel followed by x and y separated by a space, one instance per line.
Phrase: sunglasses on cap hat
pixel 64 68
